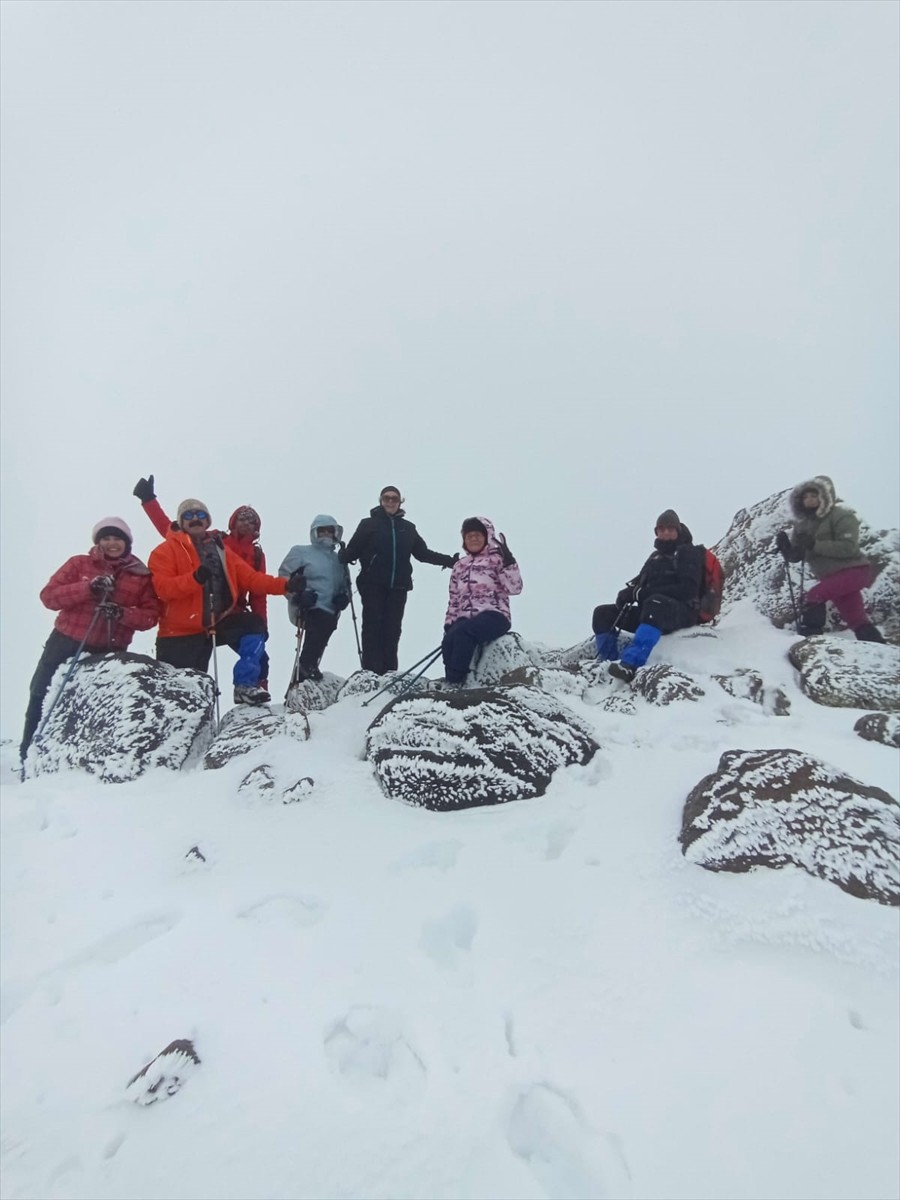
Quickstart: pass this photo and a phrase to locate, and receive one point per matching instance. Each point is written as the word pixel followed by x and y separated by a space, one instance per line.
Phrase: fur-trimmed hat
pixel 192 503
pixel 668 520
pixel 111 527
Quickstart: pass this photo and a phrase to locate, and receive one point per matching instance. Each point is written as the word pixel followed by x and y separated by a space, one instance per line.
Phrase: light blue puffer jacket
pixel 321 569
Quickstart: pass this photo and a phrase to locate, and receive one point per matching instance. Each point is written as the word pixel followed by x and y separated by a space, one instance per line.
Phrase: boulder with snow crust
pixel 247 726
pixel 123 714
pixel 505 660
pixel 312 695
pixel 774 808
pixel 661 684
pixel 452 750
pixel 843 673
pixel 879 727
pixel 753 568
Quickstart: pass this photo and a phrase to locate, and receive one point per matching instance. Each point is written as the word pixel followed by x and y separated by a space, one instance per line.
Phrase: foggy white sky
pixel 564 264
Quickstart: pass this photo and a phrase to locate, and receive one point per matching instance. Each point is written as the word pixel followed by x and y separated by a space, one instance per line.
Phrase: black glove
pixel 308 599
pixel 203 574
pixel 102 584
pixel 110 609
pixel 625 596
pixel 450 560
pixel 804 539
pixel 143 489
pixel 341 601
pixel 342 554
pixel 295 584
pixel 783 544
pixel 505 552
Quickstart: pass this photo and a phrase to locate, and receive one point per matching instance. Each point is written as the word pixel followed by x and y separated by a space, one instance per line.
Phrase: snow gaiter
pixel 645 638
pixel 248 668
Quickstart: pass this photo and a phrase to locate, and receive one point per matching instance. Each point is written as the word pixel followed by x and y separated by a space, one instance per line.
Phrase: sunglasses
pixel 191 513
pixel 391 498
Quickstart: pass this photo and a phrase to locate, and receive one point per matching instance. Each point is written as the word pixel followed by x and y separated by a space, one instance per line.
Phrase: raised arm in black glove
pixel 102 584
pixel 143 489
pixel 505 552
pixel 203 574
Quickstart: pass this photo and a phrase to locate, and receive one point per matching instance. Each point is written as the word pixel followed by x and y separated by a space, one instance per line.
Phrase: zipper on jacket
pixel 394 550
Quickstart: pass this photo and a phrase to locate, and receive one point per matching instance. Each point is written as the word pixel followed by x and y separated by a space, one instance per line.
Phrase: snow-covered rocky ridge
pixel 546 997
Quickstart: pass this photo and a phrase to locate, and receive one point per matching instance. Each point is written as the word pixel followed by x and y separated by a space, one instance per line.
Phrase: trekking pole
pixel 215 660
pixel 295 670
pixel 69 673
pixel 352 608
pixel 787 571
pixel 431 657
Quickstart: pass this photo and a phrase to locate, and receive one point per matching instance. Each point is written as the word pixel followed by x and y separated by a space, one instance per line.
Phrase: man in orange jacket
pixel 200 581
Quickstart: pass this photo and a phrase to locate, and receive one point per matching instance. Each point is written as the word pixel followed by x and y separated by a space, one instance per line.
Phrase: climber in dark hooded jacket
pixel 826 534
pixel 663 597
pixel 383 543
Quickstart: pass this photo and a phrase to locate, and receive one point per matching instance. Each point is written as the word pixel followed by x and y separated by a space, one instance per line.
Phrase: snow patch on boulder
pixel 845 673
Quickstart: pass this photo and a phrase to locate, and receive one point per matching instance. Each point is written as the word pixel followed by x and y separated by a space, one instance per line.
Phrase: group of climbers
pixel 202 585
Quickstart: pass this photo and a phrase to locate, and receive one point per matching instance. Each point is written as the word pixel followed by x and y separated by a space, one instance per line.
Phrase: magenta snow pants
pixel 843 590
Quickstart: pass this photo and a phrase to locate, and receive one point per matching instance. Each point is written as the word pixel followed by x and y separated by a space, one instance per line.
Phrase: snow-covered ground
pixel 542 999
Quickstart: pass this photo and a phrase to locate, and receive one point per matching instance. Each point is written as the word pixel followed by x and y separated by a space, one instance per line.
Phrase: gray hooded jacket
pixel 321 569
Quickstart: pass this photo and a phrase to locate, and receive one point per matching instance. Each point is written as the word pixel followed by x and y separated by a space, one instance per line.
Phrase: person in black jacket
pixel 383 544
pixel 665 596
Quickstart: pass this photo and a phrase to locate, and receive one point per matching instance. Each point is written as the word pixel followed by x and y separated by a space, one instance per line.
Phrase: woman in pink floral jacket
pixel 481 584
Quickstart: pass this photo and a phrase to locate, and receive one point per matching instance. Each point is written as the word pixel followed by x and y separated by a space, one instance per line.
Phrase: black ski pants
pixel 663 612
pixel 382 622
pixel 195 649
pixel 57 649
pixel 319 625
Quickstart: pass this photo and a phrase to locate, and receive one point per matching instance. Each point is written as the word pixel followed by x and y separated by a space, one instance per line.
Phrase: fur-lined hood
pixel 824 486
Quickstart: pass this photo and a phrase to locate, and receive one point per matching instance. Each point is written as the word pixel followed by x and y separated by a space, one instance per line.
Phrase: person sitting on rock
pixel 200 582
pixel 242 537
pixel 317 608
pixel 826 534
pixel 103 598
pixel 481 583
pixel 663 597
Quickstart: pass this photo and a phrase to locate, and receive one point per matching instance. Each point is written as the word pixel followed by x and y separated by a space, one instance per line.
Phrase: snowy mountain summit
pixel 519 940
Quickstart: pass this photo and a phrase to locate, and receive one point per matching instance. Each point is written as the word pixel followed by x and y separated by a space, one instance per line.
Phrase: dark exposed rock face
pixel 123 714
pixel 662 684
pixel 245 727
pixel 844 673
pixel 772 808
pixel 452 750
pixel 879 727
pixel 753 568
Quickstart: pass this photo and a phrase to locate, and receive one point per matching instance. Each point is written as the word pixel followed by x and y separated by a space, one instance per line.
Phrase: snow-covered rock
pixel 314 695
pixel 845 673
pixel 507 655
pixel 752 567
pixel 745 683
pixel 122 714
pixel 246 726
pixel 165 1074
pixel 453 750
pixel 772 808
pixel 662 684
pixel 879 727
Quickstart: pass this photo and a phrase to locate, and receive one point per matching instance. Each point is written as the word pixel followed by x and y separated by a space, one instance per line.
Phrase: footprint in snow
pixel 367 1045
pixel 569 1160
pixel 449 938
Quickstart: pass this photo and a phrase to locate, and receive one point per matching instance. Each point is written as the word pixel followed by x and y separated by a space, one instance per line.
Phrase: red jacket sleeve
pixel 144 612
pixel 154 511
pixel 258 603
pixel 67 586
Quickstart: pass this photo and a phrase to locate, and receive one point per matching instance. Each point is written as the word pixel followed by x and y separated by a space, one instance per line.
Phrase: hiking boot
pixel 868 633
pixel 622 670
pixel 812 620
pixel 312 673
pixel 448 685
pixel 251 695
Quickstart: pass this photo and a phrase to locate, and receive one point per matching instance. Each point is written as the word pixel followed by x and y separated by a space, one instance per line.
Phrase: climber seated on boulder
pixel 826 535
pixel 663 597
pixel 103 598
pixel 481 583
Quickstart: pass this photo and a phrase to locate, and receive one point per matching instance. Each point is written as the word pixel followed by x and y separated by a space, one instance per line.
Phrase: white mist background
pixel 561 264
